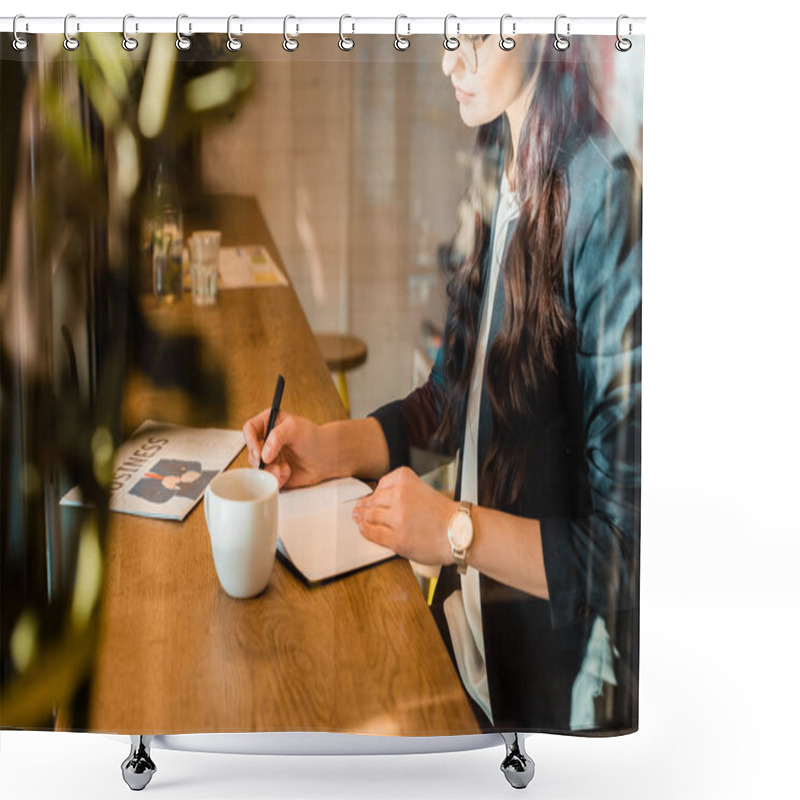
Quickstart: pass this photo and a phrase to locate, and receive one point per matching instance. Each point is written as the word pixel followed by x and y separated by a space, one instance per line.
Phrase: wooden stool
pixel 342 353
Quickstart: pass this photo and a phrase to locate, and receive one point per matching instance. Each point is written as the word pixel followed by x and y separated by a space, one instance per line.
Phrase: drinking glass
pixel 204 262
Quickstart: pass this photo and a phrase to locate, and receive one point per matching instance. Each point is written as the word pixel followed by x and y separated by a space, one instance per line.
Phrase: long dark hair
pixel 561 115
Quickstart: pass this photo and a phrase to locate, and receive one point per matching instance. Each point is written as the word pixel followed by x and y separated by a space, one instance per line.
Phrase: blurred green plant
pixel 79 134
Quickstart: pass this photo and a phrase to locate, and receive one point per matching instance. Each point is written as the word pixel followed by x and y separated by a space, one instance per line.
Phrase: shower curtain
pixel 470 218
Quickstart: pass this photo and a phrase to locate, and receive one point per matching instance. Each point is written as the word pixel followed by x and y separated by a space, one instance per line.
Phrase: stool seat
pixel 341 351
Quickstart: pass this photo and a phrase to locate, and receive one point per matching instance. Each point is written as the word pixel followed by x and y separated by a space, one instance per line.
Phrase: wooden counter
pixel 360 654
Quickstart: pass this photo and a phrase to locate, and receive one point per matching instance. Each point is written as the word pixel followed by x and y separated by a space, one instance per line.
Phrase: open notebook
pixel 317 533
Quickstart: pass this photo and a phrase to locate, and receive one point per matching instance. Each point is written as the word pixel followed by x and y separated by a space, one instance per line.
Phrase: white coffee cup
pixel 241 508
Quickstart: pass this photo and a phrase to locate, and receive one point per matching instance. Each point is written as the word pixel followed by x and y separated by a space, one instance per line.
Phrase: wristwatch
pixel 459 532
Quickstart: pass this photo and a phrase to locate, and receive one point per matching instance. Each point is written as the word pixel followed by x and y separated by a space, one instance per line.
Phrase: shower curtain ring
pixel 182 42
pixel 19 43
pixel 290 43
pixel 560 42
pixel 128 42
pixel 451 42
pixel 622 44
pixel 506 42
pixel 70 42
pixel 400 42
pixel 345 43
pixel 234 44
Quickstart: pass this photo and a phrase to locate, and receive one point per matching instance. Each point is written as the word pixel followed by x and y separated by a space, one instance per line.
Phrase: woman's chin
pixel 471 117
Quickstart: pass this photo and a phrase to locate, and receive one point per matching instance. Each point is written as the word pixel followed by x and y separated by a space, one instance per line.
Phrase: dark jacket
pixel 583 482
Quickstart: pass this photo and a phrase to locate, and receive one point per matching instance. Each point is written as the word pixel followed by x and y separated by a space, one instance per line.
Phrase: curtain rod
pixel 407 26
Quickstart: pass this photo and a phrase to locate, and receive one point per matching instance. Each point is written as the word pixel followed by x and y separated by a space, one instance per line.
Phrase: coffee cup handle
pixel 206 501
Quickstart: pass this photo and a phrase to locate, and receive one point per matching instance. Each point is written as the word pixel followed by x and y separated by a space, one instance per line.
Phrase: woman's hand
pixel 407 516
pixel 296 452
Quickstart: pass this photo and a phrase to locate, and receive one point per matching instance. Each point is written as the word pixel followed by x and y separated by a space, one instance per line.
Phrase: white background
pixel 720 545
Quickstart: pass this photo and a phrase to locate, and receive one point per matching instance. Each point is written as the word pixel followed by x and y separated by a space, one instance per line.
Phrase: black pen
pixel 273 415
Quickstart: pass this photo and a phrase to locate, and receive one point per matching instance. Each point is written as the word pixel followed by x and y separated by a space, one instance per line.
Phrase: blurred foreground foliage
pixel 80 133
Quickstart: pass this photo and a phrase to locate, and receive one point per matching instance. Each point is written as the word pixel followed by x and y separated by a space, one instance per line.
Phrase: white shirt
pixel 463 608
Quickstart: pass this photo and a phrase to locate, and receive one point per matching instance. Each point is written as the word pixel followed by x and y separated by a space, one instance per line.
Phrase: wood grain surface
pixel 359 654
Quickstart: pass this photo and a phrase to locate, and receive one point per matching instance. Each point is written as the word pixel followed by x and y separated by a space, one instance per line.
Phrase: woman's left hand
pixel 407 516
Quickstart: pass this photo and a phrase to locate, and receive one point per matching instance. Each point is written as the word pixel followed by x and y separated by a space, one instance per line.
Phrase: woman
pixel 537 387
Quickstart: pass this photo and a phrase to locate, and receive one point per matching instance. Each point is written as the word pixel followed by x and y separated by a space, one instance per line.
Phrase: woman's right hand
pixel 295 452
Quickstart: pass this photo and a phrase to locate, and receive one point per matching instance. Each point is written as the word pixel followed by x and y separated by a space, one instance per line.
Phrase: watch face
pixel 460 531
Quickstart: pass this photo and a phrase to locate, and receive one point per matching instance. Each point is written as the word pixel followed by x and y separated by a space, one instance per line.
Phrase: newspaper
pixel 241 268
pixel 163 470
